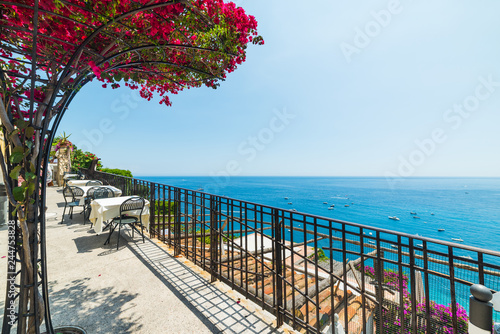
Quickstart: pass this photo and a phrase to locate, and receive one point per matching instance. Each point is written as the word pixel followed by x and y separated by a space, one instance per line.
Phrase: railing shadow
pixel 214 308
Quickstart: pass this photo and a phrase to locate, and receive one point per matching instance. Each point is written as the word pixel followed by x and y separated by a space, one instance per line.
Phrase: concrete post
pixel 480 310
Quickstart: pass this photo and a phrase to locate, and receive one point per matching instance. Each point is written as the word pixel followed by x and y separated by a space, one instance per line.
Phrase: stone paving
pixel 139 288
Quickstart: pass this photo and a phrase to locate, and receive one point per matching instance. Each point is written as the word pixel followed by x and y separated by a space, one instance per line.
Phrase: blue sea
pixel 467 208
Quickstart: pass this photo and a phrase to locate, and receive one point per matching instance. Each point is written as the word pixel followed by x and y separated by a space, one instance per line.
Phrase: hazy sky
pixel 373 88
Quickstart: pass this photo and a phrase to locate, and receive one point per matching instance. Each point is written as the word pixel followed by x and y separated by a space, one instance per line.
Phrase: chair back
pixel 90 192
pixel 77 192
pixel 133 204
pixel 94 183
pixel 102 192
pixel 68 194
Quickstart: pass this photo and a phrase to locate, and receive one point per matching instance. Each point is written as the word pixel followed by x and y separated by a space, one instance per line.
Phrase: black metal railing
pixel 313 272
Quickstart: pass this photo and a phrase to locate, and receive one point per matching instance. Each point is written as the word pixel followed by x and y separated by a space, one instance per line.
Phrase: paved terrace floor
pixel 140 288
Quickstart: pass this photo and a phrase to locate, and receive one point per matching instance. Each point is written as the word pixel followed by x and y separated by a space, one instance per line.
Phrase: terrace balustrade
pixel 315 272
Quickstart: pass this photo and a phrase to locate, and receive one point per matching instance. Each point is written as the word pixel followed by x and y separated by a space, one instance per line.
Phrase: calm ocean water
pixel 467 208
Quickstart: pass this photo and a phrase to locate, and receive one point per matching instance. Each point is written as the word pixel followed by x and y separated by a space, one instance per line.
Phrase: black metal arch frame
pixel 46 127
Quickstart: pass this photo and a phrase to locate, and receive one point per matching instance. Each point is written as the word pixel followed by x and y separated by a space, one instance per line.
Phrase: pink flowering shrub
pixel 441 316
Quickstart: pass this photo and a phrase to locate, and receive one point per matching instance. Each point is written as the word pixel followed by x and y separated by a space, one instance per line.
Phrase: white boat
pixel 330 208
pixel 290 203
pixel 440 229
pixel 394 246
pixel 325 202
pixel 393 218
pixel 420 245
pixel 372 242
pixel 466 257
pixel 432 213
pixel 413 213
pixel 416 217
pixel 286 197
pixel 457 239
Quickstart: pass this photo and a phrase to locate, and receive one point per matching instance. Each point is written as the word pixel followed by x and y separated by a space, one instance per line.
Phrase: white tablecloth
pixel 108 208
pixel 115 190
pixel 76 183
pixel 67 176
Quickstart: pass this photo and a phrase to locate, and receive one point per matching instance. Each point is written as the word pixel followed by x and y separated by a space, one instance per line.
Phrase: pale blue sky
pixel 340 88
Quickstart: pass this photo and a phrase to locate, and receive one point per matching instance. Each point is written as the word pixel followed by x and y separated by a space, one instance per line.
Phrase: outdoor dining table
pixel 117 192
pixel 76 183
pixel 108 208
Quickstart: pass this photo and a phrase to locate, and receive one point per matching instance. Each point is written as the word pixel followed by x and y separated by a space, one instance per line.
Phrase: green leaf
pixel 30 176
pixel 14 174
pixel 16 157
pixel 22 124
pixel 18 193
pixel 29 132
pixel 18 149
pixel 31 189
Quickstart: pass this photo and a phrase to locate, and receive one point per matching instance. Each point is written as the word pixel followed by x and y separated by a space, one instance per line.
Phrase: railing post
pixel 177 222
pixel 152 209
pixel 214 242
pixel 277 258
pixel 480 310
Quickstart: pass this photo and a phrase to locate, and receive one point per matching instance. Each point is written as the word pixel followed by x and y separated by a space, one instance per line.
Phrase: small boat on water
pixel 290 203
pixel 420 246
pixel 432 213
pixel 346 205
pixel 286 197
pixel 416 217
pixel 330 208
pixel 325 202
pixel 440 229
pixel 393 218
pixel 468 257
pixel 371 241
pixel 413 213
pixel 294 210
pixel 394 246
pixel 457 239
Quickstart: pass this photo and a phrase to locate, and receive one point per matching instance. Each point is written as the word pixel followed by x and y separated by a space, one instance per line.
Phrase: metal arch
pixel 155 46
pixel 48 126
pixel 97 31
pixel 163 63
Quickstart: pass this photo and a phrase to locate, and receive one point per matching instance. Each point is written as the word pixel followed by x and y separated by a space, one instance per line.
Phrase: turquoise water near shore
pixel 467 208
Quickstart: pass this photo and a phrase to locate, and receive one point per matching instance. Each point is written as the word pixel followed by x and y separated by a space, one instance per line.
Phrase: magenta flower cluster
pixel 441 316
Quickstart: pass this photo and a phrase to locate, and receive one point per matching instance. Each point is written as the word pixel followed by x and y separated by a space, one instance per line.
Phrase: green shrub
pixel 165 207
pixel 116 171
